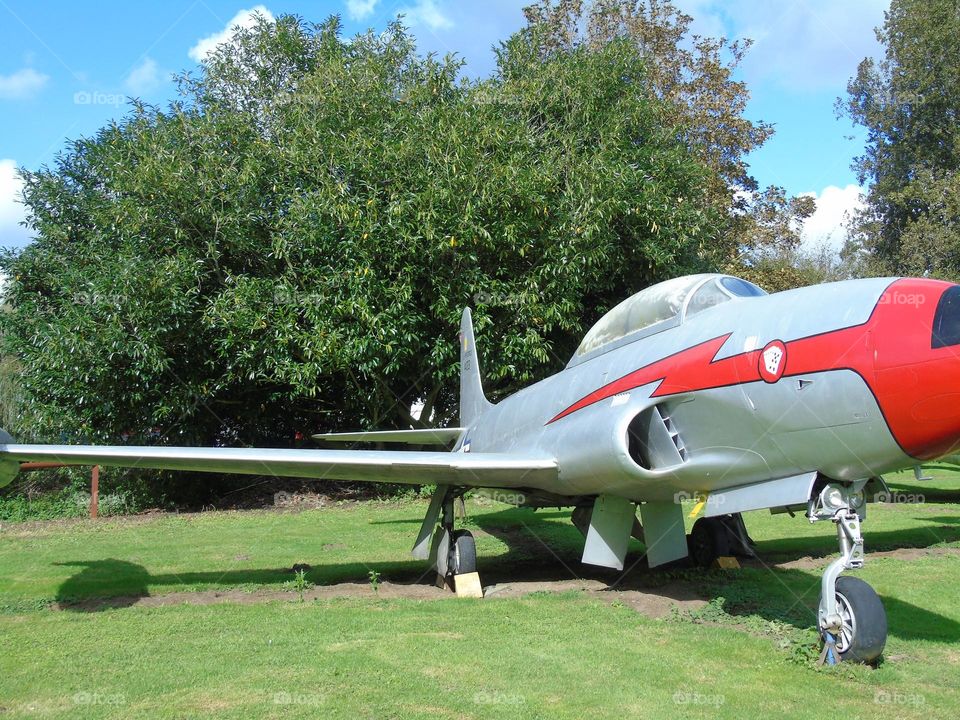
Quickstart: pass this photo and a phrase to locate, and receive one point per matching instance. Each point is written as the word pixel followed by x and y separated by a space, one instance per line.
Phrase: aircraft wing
pixel 407 468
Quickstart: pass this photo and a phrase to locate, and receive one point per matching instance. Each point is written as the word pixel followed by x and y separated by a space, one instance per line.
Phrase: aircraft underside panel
pixel 780 493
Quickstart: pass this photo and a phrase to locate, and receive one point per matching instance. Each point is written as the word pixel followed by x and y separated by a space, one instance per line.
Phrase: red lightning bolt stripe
pixel 696 368
pixel 690 369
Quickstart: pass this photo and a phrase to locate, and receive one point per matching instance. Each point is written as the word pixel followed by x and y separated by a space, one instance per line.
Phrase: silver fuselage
pixel 826 421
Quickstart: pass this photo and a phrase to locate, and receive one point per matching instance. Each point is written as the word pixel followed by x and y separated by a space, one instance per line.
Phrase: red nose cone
pixel 917 368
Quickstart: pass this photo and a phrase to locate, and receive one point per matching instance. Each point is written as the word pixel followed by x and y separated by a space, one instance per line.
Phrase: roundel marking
pixel 772 361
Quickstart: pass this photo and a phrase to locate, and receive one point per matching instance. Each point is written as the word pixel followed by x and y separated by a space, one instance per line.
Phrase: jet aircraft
pixel 702 387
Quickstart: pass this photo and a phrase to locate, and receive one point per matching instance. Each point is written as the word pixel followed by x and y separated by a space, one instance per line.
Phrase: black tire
pixel 463 553
pixel 864 631
pixel 708 540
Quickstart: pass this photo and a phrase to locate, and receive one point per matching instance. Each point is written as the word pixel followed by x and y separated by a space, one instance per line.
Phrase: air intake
pixel 653 441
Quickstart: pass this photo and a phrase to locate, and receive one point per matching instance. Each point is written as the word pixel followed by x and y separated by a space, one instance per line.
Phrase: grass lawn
pixel 173 616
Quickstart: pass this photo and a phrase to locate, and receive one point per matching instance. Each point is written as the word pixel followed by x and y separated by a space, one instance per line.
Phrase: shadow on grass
pixel 929 491
pixel 530 538
pixel 542 550
pixel 936 530
pixel 792 596
pixel 112 583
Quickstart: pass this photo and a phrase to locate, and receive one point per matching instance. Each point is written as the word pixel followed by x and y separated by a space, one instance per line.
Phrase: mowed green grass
pixel 564 655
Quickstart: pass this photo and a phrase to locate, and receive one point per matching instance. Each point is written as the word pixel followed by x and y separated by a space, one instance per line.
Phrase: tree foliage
pixel 288 247
pixel 694 76
pixel 909 103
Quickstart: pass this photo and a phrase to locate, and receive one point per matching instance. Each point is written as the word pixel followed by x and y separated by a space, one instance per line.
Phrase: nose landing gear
pixel 851 618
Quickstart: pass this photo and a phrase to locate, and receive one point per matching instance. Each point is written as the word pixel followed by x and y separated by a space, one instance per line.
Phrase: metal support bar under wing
pixel 425 436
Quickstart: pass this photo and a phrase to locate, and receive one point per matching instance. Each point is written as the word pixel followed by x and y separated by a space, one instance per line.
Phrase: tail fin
pixel 473 403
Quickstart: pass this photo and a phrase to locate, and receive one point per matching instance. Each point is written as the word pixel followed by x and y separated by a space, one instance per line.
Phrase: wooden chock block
pixel 468 585
pixel 726 562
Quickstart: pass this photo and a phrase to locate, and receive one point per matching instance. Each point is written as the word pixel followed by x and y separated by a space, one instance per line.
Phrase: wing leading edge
pixel 405 468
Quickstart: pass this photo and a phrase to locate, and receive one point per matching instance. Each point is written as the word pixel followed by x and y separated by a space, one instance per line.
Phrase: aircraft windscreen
pixel 718 291
pixel 661 303
pixel 653 305
pixel 740 288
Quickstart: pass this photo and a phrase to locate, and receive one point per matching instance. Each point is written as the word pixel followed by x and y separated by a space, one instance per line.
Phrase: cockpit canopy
pixel 660 307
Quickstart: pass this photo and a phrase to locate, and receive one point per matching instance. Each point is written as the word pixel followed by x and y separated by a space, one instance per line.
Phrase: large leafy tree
pixel 758 228
pixel 909 103
pixel 289 246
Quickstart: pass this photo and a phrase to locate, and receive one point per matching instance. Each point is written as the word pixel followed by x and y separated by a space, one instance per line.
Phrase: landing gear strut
pixel 851 618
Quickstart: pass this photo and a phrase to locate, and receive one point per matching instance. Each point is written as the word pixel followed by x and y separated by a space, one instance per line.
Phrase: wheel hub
pixel 848 624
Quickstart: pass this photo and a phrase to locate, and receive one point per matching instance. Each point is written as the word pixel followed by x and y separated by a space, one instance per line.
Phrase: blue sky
pixel 67 68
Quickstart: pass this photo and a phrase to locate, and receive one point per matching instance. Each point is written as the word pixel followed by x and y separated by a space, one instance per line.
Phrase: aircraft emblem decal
pixel 773 360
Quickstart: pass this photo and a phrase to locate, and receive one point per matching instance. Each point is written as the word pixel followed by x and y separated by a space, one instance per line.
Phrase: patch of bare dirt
pixel 655 603
pixel 812 563
pixel 385 590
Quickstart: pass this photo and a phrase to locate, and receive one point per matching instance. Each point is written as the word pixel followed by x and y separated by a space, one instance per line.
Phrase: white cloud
pixel 360 9
pixel 23 83
pixel 11 209
pixel 243 19
pixel 144 77
pixel 809 45
pixel 425 12
pixel 826 227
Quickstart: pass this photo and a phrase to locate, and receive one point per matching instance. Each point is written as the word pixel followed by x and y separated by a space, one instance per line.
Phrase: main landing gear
pixel 453 552
pixel 715 537
pixel 852 621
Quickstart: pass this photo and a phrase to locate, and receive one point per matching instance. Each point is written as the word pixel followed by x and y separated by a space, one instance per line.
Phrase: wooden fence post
pixel 94 491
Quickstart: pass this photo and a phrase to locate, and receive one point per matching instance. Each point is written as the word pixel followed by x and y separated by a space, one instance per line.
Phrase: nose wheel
pixel 852 621
pixel 863 622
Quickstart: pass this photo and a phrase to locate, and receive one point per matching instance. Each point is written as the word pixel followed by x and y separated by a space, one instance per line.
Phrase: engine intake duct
pixel 653 441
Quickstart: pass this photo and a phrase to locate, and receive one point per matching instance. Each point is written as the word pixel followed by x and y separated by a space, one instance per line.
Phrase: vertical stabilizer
pixel 473 403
